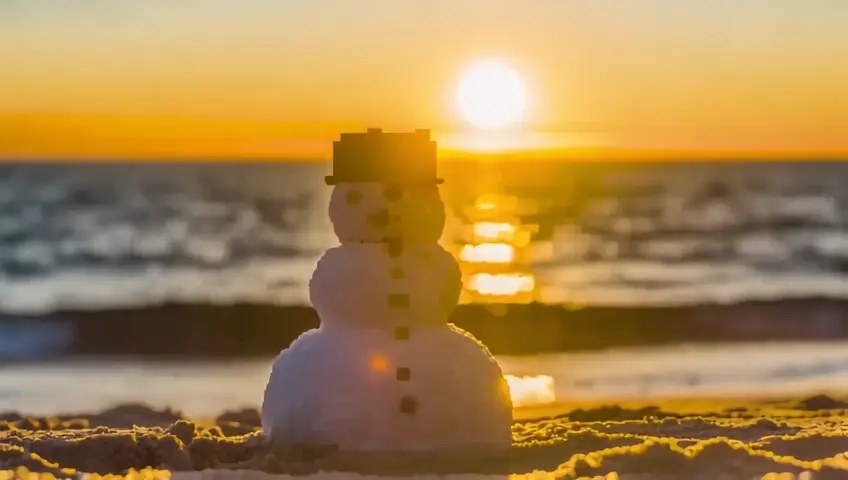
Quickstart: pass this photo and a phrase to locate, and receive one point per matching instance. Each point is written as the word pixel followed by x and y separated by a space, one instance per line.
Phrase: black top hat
pixel 375 156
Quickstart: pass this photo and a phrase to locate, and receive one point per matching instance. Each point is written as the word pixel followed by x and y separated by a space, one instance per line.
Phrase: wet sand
pixel 674 439
pixel 253 329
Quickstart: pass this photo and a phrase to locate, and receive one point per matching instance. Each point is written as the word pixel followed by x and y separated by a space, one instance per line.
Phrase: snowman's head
pixel 373 211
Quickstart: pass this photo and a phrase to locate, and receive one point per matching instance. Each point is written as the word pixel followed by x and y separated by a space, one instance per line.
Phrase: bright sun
pixel 491 95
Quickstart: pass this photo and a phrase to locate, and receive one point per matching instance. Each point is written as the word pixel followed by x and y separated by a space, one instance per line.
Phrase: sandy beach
pixel 683 438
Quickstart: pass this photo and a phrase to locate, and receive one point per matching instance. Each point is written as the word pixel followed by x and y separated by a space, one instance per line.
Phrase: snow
pixel 337 385
pixel 386 372
pixel 351 285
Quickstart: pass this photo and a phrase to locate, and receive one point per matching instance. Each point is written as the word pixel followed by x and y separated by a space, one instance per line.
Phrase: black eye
pixel 393 193
pixel 353 197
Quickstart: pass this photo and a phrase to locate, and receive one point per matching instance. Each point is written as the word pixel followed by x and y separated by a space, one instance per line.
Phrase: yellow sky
pixel 281 78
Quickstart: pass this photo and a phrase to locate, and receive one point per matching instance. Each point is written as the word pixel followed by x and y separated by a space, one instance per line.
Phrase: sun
pixel 491 95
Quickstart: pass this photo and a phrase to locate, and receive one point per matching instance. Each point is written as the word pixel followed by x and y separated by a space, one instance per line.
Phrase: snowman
pixel 385 371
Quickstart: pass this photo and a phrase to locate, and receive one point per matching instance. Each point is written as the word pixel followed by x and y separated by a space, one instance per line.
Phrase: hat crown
pixel 377 156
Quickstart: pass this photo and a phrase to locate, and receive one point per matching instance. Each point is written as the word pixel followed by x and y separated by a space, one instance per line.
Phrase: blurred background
pixel 163 282
pixel 647 198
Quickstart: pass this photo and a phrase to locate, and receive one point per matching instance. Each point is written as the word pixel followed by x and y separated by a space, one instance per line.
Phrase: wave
pixel 101 236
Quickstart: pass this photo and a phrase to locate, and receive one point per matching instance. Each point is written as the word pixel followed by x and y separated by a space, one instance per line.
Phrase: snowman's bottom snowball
pixel 360 389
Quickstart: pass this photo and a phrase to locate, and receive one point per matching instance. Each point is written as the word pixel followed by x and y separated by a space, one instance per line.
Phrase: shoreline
pixel 257 330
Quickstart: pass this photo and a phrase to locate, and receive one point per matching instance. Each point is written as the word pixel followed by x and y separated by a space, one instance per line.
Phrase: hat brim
pixel 331 180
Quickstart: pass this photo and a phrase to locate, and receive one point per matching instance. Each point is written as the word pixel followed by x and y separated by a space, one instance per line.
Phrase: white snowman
pixel 385 371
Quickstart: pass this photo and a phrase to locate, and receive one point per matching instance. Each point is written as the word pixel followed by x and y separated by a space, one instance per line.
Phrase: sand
pixel 683 439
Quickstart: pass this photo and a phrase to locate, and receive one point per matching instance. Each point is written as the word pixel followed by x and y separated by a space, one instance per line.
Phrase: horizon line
pixel 571 155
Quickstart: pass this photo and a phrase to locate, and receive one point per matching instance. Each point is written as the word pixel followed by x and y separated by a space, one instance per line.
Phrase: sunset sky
pixel 281 78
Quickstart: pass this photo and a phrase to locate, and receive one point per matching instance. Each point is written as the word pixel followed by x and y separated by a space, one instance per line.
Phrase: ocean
pixel 97 236
pixel 105 236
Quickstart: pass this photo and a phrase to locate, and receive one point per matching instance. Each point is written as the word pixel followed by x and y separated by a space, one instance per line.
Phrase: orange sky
pixel 264 78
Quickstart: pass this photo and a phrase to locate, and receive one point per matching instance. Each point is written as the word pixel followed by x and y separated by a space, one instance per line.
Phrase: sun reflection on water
pixel 502 284
pixel 503 231
pixel 531 390
pixel 496 203
pixel 492 252
pixel 487 253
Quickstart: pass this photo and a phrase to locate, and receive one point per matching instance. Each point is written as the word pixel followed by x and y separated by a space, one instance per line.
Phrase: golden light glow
pixel 97 84
pixel 535 390
pixel 501 284
pixel 502 231
pixel 484 204
pixel 493 259
pixel 487 253
pixel 491 95
pixel 491 202
pixel 379 363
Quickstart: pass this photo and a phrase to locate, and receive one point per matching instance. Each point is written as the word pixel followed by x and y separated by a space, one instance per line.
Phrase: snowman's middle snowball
pixel 359 284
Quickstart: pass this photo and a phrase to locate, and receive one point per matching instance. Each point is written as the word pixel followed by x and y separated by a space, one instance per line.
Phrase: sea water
pixel 97 236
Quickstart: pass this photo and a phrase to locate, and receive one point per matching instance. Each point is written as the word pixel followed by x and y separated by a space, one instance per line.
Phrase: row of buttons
pixel 394 248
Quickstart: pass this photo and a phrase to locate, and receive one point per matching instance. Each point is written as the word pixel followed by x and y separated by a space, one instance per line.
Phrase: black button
pixel 402 333
pixel 398 300
pixel 408 405
pixel 394 246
